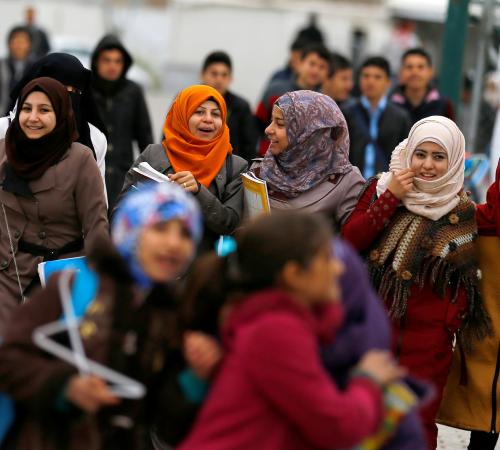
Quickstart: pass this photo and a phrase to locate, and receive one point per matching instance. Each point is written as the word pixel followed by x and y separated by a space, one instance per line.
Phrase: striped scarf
pixel 415 249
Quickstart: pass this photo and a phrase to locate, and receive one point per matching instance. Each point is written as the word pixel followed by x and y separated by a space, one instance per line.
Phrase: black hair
pixel 468 82
pixel 311 33
pixel 18 29
pixel 377 61
pixel 337 63
pixel 418 51
pixel 317 48
pixel 217 57
pixel 299 44
pixel 264 247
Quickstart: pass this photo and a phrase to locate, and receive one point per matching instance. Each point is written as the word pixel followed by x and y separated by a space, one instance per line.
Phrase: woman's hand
pixel 401 183
pixel 186 179
pixel 381 366
pixel 89 393
pixel 202 352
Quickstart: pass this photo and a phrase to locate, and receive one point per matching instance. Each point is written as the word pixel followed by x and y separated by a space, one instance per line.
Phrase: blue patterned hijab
pixel 318 144
pixel 150 204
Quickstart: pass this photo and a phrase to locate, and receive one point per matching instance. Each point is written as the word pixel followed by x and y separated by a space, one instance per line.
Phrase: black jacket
pixel 394 126
pixel 242 127
pixel 434 104
pixel 123 110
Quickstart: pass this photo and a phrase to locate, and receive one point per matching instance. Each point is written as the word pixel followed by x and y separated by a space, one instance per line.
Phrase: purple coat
pixel 366 327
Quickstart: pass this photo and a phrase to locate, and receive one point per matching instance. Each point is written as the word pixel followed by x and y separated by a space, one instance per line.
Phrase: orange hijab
pixel 185 151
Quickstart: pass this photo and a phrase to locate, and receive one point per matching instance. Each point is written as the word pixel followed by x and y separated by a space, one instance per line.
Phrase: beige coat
pixel 336 199
pixel 69 203
pixel 473 402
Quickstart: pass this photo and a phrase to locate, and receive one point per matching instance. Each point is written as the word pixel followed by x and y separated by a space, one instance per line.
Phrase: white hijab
pixel 431 199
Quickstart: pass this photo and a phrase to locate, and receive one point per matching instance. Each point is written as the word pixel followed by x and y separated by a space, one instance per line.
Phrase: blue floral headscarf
pixel 150 204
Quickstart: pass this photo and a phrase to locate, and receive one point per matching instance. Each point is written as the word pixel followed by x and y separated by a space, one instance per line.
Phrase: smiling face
pixel 415 72
pixel 276 132
pixel 206 121
pixel 312 71
pixel 37 117
pixel 164 250
pixel 429 161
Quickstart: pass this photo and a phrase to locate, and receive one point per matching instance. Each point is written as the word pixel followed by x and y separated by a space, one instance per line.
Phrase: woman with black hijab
pixel 69 71
pixel 52 202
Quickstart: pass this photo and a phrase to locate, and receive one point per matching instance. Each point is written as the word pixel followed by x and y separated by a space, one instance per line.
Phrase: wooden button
pixel 453 218
pixel 406 275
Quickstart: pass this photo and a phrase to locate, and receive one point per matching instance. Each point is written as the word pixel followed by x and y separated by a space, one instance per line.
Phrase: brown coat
pixel 119 331
pixel 472 402
pixel 69 204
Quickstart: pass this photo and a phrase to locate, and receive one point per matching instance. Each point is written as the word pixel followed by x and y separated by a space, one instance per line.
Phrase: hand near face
pixel 90 393
pixel 202 352
pixel 186 179
pixel 401 183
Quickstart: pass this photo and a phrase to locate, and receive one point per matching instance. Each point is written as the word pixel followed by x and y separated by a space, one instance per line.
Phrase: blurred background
pixel 170 38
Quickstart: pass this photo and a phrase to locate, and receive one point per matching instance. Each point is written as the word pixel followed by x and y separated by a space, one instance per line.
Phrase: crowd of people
pixel 358 314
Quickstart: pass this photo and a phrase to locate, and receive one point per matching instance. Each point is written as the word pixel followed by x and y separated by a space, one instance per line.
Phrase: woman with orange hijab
pixel 197 155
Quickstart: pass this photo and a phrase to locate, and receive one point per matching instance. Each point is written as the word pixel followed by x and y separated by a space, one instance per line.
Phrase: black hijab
pixel 29 158
pixel 69 71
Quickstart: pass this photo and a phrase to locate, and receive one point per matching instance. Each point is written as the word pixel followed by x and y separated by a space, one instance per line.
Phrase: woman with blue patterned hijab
pixel 156 229
pixel 132 326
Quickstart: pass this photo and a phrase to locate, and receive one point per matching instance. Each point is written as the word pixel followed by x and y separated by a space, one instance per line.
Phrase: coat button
pixel 88 329
pixel 374 255
pixel 42 235
pixel 110 147
pixel 4 264
pixel 453 218
pixel 17 234
pixel 406 275
pixel 426 243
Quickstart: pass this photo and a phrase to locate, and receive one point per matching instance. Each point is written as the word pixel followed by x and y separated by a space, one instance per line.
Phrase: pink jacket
pixel 272 392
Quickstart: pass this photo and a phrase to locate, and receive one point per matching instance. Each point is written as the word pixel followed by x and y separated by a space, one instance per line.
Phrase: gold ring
pixel 185 185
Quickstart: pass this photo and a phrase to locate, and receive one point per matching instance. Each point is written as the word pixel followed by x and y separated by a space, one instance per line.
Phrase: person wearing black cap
pixel 69 71
pixel 123 109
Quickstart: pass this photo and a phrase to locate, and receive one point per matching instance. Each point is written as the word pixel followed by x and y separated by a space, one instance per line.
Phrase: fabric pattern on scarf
pixel 30 158
pixel 150 204
pixel 488 214
pixel 318 144
pixel 185 151
pixel 431 199
pixel 415 249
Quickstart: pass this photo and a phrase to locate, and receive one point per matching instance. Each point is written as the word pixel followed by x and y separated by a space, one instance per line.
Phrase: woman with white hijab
pixel 416 226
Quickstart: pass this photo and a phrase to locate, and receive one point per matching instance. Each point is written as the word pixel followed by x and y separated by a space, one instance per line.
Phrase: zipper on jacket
pixel 494 394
